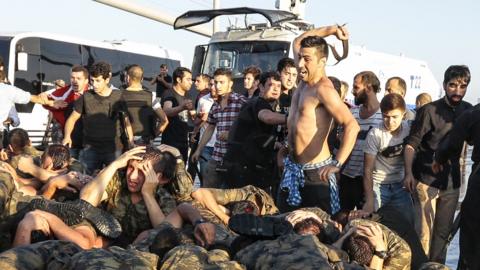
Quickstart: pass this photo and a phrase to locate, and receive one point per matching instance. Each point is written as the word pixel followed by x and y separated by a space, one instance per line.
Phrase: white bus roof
pixel 120 45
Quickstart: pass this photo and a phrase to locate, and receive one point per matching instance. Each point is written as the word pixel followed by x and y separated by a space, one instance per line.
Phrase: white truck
pixel 263 44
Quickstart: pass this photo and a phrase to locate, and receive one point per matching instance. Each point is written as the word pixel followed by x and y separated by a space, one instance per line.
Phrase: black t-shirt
pixel 100 116
pixel 176 133
pixel 77 133
pixel 160 87
pixel 249 137
pixel 285 101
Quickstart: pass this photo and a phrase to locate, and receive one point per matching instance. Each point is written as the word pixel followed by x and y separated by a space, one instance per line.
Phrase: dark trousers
pixel 470 224
pixel 315 193
pixel 351 192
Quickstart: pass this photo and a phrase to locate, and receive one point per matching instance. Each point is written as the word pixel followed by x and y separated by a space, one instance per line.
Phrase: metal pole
pixel 156 15
pixel 216 22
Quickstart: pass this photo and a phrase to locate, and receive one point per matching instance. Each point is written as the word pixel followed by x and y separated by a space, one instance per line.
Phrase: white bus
pixel 34 60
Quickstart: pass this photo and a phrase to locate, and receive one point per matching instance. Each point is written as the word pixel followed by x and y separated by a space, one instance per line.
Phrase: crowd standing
pixel 283 174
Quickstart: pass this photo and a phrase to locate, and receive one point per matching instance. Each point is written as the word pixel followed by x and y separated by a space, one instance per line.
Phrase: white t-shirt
pixel 204 105
pixel 9 96
pixel 354 165
pixel 388 149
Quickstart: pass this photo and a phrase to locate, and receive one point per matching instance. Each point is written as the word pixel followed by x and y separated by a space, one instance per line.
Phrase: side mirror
pixel 22 61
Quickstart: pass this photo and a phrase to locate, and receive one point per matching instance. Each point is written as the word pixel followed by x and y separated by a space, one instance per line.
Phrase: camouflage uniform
pixel 11 201
pixel 293 251
pixel 433 266
pixel 112 258
pixel 133 217
pixel 189 257
pixel 52 255
pixel 181 187
pixel 64 255
pixel 399 255
pixel 185 235
pixel 28 151
pixel 256 195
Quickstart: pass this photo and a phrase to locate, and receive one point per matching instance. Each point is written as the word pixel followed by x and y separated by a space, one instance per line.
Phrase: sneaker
pixel 266 226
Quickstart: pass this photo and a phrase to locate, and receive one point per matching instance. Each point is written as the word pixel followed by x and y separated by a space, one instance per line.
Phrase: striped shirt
pixel 223 120
pixel 354 165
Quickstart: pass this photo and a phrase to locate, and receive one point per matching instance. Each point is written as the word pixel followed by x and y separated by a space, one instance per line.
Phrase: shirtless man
pixel 315 105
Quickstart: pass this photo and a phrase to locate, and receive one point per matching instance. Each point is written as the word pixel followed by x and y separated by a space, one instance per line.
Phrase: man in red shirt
pixel 70 93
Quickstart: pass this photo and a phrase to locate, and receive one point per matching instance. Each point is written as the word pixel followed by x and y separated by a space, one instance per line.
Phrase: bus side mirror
pixel 22 61
pixel 198 59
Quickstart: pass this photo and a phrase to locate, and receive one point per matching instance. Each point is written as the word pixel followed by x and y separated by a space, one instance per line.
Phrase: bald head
pixel 135 74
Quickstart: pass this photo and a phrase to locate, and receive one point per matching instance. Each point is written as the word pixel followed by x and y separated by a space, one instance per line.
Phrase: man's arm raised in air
pixel 343 117
pixel 94 192
pixel 340 32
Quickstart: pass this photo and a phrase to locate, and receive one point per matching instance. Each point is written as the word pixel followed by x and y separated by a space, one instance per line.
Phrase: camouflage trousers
pixel 64 255
pixel 50 255
pixel 293 251
pixel 189 257
pixel 250 193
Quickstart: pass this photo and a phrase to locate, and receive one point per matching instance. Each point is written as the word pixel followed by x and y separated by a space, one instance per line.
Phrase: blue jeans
pixel 396 196
pixel 205 156
pixel 95 160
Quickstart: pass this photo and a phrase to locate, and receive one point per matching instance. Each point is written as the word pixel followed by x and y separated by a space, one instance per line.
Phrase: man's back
pixel 140 111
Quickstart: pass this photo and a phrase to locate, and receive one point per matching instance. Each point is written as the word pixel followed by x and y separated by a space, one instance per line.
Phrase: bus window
pixel 4 50
pixel 57 58
pixel 31 79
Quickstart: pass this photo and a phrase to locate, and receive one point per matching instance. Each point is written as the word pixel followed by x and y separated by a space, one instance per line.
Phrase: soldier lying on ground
pixel 65 255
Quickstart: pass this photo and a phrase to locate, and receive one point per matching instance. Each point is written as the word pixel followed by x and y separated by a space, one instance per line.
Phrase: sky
pixel 439 32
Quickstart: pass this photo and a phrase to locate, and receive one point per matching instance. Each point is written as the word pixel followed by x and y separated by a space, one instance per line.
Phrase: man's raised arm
pixel 94 191
pixel 339 31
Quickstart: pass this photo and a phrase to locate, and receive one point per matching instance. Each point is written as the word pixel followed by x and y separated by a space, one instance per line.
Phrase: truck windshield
pixel 239 55
pixel 4 48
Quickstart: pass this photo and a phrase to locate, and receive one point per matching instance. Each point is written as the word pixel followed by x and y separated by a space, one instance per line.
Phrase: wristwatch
pixel 336 163
pixel 381 254
pixel 199 221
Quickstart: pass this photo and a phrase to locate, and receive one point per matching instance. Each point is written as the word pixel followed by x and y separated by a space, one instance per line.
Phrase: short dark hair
pixel 336 84
pixel 163 162
pixel 254 70
pixel 359 249
pixel 308 226
pixel 18 138
pixel 163 66
pixel 224 72
pixel 284 63
pixel 101 69
pixel 179 72
pixel 369 78
pixel 204 77
pixel 167 238
pixel 78 68
pixel 457 72
pixel 392 102
pixel 267 75
pixel 316 42
pixel 60 155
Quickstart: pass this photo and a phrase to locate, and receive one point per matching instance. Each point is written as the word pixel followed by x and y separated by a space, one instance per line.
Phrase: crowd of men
pixel 283 174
